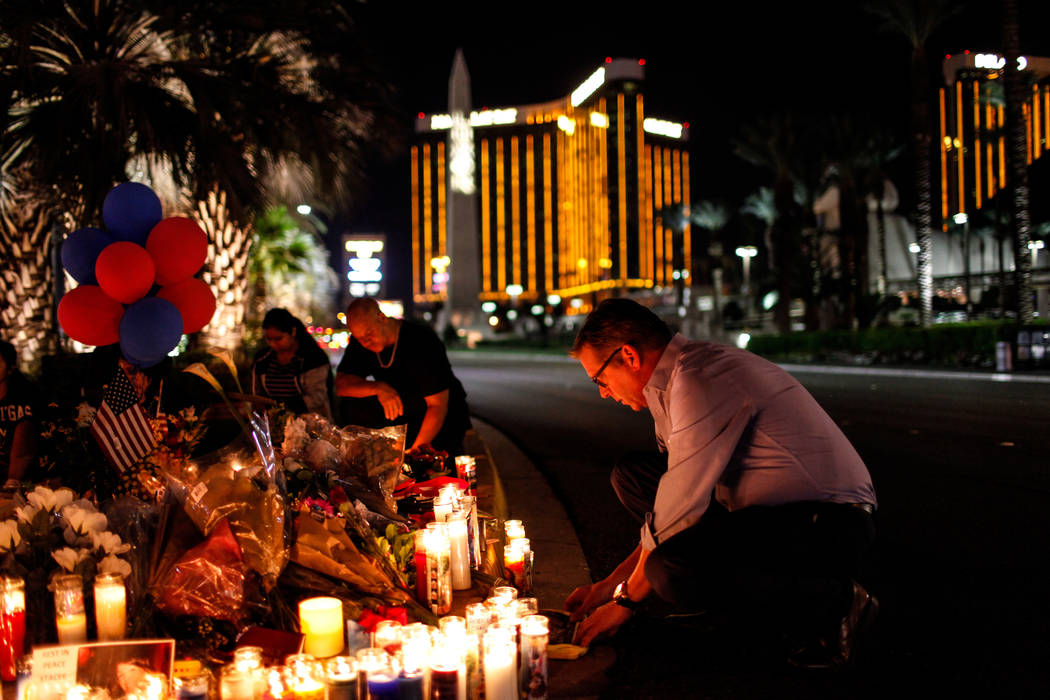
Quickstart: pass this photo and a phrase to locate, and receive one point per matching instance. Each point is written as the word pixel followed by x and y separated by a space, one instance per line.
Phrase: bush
pixel 970 344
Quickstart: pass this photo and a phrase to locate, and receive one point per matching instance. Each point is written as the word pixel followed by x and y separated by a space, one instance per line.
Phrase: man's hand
pixel 585 599
pixel 390 400
pixel 602 622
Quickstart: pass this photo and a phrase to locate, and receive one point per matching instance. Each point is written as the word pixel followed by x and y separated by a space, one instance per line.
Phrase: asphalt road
pixel 961 466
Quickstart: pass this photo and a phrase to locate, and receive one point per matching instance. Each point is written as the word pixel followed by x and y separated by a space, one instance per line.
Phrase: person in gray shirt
pixel 756 500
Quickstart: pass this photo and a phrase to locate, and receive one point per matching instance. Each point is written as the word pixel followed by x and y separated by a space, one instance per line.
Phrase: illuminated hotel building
pixel 973 136
pixel 568 195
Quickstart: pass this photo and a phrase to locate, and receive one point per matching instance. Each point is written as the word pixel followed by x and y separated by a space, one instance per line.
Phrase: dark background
pixel 811 58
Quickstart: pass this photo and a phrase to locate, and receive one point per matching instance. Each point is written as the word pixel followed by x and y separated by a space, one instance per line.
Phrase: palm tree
pixel 233 107
pixel 772 144
pixel 916 22
pixel 1017 155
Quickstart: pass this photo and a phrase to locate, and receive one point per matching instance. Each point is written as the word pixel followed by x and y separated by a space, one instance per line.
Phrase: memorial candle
pixel 460 551
pixel 70 619
pixel 439 574
pixel 420 559
pixel 341 678
pixel 514 562
pixel 533 636
pixel 321 621
pixel 12 625
pixel 500 664
pixel 387 636
pixel 110 606
pixel 379 676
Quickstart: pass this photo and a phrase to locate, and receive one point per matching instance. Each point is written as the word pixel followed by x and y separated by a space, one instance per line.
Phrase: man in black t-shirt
pixel 397 372
pixel 17 426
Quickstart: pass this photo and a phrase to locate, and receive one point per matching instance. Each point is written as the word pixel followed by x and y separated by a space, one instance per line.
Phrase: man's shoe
pixel 840 651
pixel 863 610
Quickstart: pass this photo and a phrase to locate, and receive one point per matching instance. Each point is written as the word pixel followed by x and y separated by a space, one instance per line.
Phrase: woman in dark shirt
pixel 293 369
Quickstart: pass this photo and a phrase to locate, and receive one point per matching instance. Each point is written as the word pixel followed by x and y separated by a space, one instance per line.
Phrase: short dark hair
pixel 7 351
pixel 621 321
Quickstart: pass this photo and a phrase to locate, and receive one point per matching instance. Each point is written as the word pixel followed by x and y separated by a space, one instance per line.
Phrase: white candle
pixel 500 663
pixel 72 629
pixel 457 534
pixel 110 606
pixel 321 621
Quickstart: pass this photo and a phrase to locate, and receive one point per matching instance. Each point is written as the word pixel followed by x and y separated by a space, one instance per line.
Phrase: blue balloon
pixel 80 250
pixel 149 329
pixel 130 211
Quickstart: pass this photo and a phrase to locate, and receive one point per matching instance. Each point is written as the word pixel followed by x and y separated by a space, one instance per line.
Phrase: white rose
pixel 9 535
pixel 80 522
pixel 114 565
pixel 109 542
pixel 46 499
pixel 26 513
pixel 68 558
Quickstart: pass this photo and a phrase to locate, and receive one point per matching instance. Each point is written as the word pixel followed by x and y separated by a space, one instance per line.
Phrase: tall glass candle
pixel 439 574
pixel 12 625
pixel 532 641
pixel 110 606
pixel 514 563
pixel 341 678
pixel 192 687
pixel 501 666
pixel 420 560
pixel 380 678
pixel 474 539
pixel 237 683
pixel 467 469
pixel 460 551
pixel 387 636
pixel 321 621
pixel 70 619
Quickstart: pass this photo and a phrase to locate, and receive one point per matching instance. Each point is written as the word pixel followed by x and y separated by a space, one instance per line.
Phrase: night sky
pixel 756 58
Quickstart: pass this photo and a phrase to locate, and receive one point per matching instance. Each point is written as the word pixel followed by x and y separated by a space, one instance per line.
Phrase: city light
pixel 661 127
pixel 515 289
pixel 960 218
pixel 565 124
pixel 488 307
pixel 600 120
pixel 304 209
pixel 587 87
pixel 913 248
pixel 553 299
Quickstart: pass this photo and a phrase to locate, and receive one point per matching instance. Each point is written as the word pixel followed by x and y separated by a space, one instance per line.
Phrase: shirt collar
pixel 661 375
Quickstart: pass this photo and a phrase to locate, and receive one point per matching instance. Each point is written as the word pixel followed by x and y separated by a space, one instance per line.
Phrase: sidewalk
pixel 519 491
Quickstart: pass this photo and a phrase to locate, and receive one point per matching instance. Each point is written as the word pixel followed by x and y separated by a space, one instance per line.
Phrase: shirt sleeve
pixel 708 416
pixel 315 390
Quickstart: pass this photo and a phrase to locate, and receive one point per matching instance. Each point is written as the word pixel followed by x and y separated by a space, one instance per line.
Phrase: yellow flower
pixel 201 371
pixel 227 359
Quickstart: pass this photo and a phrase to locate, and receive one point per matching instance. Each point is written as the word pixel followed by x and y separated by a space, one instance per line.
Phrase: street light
pixel 961 219
pixel 746 252
pixel 1035 247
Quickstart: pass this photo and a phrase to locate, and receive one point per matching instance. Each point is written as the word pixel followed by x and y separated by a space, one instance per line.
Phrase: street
pixel 961 467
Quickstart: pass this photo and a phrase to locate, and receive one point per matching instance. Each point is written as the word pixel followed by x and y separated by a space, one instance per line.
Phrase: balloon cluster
pixel 136 278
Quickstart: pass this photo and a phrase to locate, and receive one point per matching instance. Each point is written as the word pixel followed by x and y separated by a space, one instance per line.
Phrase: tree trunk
pixel 921 139
pixel 27 312
pixel 225 271
pixel 1018 160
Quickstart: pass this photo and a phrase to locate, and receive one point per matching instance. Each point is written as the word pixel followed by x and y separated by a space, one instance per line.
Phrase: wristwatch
pixel 621 598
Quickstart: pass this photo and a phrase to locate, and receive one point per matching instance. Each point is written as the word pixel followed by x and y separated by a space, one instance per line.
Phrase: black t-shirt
pixel 15 408
pixel 420 368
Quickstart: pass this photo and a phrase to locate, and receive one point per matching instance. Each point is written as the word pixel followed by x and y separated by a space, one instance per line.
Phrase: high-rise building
pixel 973 138
pixel 569 196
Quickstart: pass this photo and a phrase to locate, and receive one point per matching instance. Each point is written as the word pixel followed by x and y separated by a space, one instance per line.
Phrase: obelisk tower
pixel 462 309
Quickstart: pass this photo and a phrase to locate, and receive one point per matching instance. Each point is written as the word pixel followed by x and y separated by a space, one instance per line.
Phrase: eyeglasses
pixel 601 369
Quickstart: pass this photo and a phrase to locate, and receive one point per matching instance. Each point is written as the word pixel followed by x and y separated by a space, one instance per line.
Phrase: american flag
pixel 120 424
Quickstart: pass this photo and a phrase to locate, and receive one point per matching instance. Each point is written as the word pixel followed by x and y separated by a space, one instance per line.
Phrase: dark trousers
pixel 794 562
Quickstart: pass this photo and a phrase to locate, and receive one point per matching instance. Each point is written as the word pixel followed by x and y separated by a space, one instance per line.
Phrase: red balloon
pixel 89 316
pixel 125 271
pixel 179 247
pixel 194 300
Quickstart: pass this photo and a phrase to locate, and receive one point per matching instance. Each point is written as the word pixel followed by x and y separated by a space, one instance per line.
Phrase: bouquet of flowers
pixel 54 532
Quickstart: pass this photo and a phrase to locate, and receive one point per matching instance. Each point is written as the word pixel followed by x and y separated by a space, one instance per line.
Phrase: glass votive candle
pixel 504 593
pixel 237 683
pixel 500 664
pixel 341 677
pixel 447 672
pixel 514 562
pixel 248 658
pixel 321 622
pixel 110 606
pixel 459 550
pixel 305 677
pixel 12 625
pixel 379 673
pixel 70 619
pixel 419 558
pixel 467 470
pixel 528 606
pixel 532 643
pixel 439 573
pixel 415 647
pixel 194 686
pixel 514 529
pixel 477 616
pixel 387 636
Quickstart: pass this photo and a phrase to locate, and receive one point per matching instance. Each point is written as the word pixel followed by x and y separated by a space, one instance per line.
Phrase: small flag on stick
pixel 120 426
